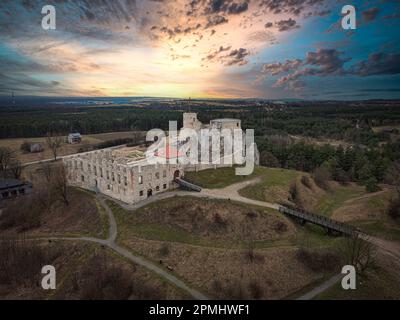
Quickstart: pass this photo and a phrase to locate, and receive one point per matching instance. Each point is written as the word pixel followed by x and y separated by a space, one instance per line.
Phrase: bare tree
pixel 46 170
pixel 54 142
pixel 6 157
pixel 59 183
pixel 393 177
pixel 16 168
pixel 359 253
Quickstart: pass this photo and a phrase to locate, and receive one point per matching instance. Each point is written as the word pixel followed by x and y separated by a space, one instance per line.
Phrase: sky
pixel 274 49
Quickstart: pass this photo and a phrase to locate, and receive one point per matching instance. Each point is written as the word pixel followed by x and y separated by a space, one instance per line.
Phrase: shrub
pixel 280 227
pixel 164 250
pixel 393 209
pixel 24 213
pixel 21 262
pixel 255 290
pixel 306 182
pixel 321 177
pixel 318 261
pixel 371 185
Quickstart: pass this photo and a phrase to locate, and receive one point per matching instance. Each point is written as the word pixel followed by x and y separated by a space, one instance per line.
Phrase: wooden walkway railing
pixel 325 222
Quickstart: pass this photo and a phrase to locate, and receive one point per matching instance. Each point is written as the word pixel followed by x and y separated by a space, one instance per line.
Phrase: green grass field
pixel 272 179
pixel 335 199
pixel 223 177
pixel 218 178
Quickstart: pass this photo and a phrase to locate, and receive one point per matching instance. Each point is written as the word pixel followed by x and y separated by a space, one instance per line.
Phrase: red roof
pixel 171 152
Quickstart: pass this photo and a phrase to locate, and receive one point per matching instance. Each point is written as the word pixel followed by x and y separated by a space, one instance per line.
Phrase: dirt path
pixel 321 288
pixel 366 196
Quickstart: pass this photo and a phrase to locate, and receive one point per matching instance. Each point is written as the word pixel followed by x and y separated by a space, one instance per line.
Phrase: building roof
pixel 10 183
pixel 225 120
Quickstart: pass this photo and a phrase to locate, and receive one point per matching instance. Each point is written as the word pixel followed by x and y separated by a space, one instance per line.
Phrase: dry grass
pixel 196 219
pixel 228 273
pixel 81 217
pixel 83 271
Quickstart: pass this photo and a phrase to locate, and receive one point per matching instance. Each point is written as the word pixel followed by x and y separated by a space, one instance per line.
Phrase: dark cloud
pixel 370 14
pixel 278 67
pixel 236 57
pixel 213 21
pixel 214 54
pixel 323 62
pixel 225 6
pixel 329 62
pixel 269 25
pixel 233 57
pixel 285 25
pixel 294 7
pixel 377 64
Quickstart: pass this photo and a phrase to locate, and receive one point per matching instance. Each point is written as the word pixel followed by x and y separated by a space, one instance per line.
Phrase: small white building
pixel 74 138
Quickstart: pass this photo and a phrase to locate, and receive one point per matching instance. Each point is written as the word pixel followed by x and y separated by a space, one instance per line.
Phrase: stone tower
pixel 190 121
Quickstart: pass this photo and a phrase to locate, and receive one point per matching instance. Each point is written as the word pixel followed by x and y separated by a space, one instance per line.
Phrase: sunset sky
pixel 201 49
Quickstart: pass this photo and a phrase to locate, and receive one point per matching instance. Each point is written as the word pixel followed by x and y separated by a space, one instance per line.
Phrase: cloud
pixel 285 25
pixel 234 57
pixel 237 57
pixel 370 14
pixel 294 7
pixel 323 62
pixel 329 62
pixel 211 7
pixel 377 64
pixel 213 21
pixel 278 67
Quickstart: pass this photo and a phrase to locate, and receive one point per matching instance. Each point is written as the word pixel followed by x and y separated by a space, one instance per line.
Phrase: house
pixel 74 138
pixel 10 188
pixel 35 147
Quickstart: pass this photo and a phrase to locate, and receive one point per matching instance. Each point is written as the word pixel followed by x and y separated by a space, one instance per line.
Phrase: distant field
pixel 87 140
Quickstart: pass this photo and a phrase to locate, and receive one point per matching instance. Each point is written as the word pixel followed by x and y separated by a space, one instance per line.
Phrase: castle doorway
pixel 149 193
pixel 176 174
